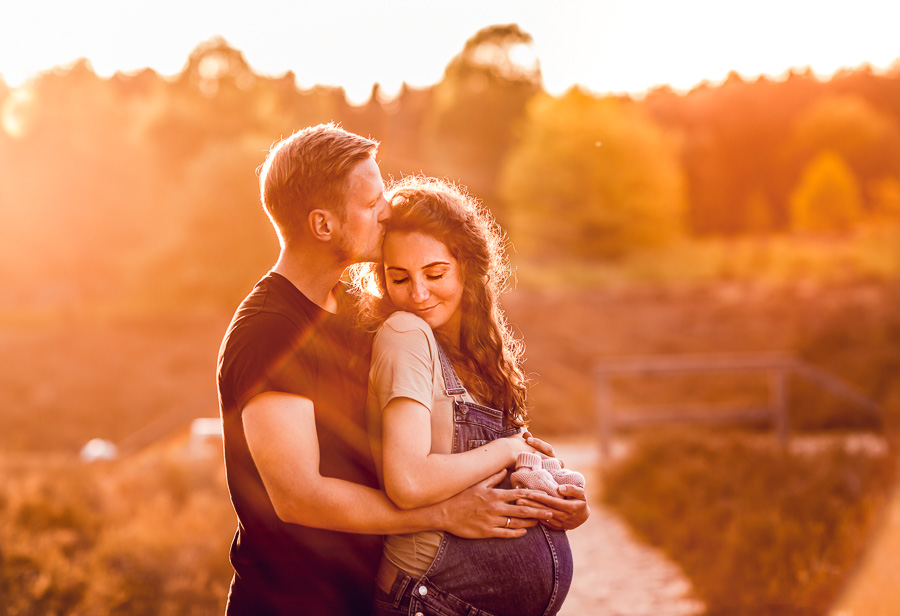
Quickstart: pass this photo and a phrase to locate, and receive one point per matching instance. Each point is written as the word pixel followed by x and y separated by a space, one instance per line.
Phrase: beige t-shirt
pixel 405 364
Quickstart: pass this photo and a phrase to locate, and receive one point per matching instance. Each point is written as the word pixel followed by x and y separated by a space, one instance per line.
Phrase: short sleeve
pixel 267 352
pixel 403 361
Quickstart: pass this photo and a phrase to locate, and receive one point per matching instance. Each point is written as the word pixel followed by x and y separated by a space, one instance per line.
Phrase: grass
pixel 149 534
pixel 143 536
pixel 869 253
pixel 758 531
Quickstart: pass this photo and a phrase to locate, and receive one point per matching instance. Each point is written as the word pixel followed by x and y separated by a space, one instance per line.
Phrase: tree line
pixel 139 188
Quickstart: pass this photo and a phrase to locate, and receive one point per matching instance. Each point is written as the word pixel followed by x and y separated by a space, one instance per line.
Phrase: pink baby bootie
pixel 529 474
pixel 562 476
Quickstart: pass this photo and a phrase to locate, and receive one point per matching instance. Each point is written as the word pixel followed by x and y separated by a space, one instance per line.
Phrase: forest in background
pixel 140 191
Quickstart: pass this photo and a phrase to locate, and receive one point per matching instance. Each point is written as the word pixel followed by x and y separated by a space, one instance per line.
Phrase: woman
pixel 447 402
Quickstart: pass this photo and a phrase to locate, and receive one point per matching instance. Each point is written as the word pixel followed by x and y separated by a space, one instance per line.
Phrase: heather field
pixel 149 533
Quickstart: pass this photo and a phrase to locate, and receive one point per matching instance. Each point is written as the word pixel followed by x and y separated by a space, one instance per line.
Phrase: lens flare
pixel 15 114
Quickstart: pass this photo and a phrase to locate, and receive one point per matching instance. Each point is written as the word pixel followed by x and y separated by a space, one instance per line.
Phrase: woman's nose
pixel 419 292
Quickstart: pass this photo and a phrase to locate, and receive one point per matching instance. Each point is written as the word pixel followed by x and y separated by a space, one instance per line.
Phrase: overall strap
pixel 452 384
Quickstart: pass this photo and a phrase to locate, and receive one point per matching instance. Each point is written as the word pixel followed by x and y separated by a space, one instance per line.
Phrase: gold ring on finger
pixel 508 520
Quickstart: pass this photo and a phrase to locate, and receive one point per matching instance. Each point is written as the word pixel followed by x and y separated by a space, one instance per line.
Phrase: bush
pixel 853 333
pixel 757 530
pixel 143 536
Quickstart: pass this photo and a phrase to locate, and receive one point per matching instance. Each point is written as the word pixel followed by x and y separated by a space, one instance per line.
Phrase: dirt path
pixel 873 589
pixel 615 574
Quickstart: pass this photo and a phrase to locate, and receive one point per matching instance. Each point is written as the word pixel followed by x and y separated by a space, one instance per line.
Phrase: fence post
pixel 604 415
pixel 778 379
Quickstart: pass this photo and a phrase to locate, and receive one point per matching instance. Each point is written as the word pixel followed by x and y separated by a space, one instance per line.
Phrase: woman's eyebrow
pixel 403 269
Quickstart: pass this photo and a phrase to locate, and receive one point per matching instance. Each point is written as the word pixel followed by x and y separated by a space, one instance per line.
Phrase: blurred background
pixel 687 181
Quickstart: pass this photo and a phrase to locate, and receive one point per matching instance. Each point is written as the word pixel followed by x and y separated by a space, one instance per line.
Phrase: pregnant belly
pixel 506 577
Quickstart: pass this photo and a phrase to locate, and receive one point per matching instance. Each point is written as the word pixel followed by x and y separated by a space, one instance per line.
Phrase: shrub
pixel 144 536
pixel 757 530
pixel 854 333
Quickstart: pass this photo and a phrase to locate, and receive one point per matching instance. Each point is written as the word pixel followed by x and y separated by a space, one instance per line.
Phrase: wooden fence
pixel 777 366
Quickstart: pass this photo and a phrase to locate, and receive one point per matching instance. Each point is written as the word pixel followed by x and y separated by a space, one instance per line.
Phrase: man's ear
pixel 321 224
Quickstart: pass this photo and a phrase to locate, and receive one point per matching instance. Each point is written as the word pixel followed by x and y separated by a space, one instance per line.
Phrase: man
pixel 292 377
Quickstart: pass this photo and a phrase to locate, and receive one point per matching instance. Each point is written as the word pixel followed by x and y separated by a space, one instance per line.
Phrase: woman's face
pixel 422 277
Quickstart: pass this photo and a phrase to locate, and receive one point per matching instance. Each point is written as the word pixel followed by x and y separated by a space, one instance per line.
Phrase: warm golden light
pixel 15 111
pixel 603 46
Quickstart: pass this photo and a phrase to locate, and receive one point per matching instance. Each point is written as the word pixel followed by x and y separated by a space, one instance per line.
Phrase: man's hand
pixel 482 511
pixel 570 510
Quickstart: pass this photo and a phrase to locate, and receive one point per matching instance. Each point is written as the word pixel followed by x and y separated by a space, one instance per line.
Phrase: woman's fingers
pixel 540 445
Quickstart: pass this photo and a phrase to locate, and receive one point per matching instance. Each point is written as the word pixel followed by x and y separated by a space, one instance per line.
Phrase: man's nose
pixel 385 212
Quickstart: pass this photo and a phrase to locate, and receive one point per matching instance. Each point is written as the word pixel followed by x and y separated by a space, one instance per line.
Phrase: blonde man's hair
pixel 308 171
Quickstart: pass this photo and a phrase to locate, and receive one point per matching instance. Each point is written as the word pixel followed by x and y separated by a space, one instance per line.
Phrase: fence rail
pixel 777 366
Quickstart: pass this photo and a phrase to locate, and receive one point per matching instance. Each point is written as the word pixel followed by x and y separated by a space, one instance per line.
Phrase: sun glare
pixel 15 111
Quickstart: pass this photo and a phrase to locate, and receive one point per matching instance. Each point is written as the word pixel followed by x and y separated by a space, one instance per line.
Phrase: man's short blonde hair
pixel 307 171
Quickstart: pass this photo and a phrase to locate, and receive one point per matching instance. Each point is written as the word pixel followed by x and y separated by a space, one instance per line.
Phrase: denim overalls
pixel 527 576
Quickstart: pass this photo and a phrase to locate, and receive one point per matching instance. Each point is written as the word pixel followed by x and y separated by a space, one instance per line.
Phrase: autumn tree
pixel 221 239
pixel 866 140
pixel 729 137
pixel 78 194
pixel 594 177
pixel 827 198
pixel 476 107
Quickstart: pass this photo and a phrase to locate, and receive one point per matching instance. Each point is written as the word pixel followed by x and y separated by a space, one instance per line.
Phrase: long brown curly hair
pixel 489 356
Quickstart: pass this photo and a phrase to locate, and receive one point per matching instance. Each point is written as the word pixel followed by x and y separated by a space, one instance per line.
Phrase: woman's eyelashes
pixel 427 277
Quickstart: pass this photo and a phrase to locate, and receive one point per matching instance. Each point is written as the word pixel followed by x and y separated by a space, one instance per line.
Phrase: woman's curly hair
pixel 488 353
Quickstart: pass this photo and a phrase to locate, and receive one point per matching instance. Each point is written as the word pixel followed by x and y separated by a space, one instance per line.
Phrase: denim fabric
pixel 528 576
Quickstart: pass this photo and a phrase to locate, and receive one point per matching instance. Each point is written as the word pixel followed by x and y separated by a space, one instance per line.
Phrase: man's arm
pixel 281 434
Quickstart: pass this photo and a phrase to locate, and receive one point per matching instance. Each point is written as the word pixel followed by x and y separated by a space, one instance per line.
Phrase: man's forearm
pixel 479 512
pixel 335 504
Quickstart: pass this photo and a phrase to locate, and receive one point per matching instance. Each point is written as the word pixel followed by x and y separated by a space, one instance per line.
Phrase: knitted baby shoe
pixel 529 474
pixel 562 475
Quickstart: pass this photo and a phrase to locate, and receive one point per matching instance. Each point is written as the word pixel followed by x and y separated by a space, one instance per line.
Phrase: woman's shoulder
pixel 405 330
pixel 403 322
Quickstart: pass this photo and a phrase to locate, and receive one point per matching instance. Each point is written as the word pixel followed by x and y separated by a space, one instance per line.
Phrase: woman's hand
pixel 540 446
pixel 517 444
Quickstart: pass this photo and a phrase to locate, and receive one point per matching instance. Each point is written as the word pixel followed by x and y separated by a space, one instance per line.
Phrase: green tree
pixel 594 177
pixel 886 197
pixel 757 211
pixel 78 199
pixel 220 239
pixel 475 109
pixel 866 139
pixel 827 198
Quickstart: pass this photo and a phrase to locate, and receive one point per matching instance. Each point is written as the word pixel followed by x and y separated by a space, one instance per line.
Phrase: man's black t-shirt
pixel 280 341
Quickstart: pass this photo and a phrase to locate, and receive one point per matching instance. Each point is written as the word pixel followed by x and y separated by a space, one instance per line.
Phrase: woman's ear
pixel 321 224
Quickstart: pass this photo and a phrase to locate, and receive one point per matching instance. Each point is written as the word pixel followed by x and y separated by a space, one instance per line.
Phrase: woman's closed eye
pixel 399 280
pixel 434 276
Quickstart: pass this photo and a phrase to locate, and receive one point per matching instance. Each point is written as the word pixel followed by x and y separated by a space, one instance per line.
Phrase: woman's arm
pixel 281 436
pixel 415 477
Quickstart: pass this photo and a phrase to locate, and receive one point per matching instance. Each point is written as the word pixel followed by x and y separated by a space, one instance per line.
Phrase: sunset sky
pixel 605 45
